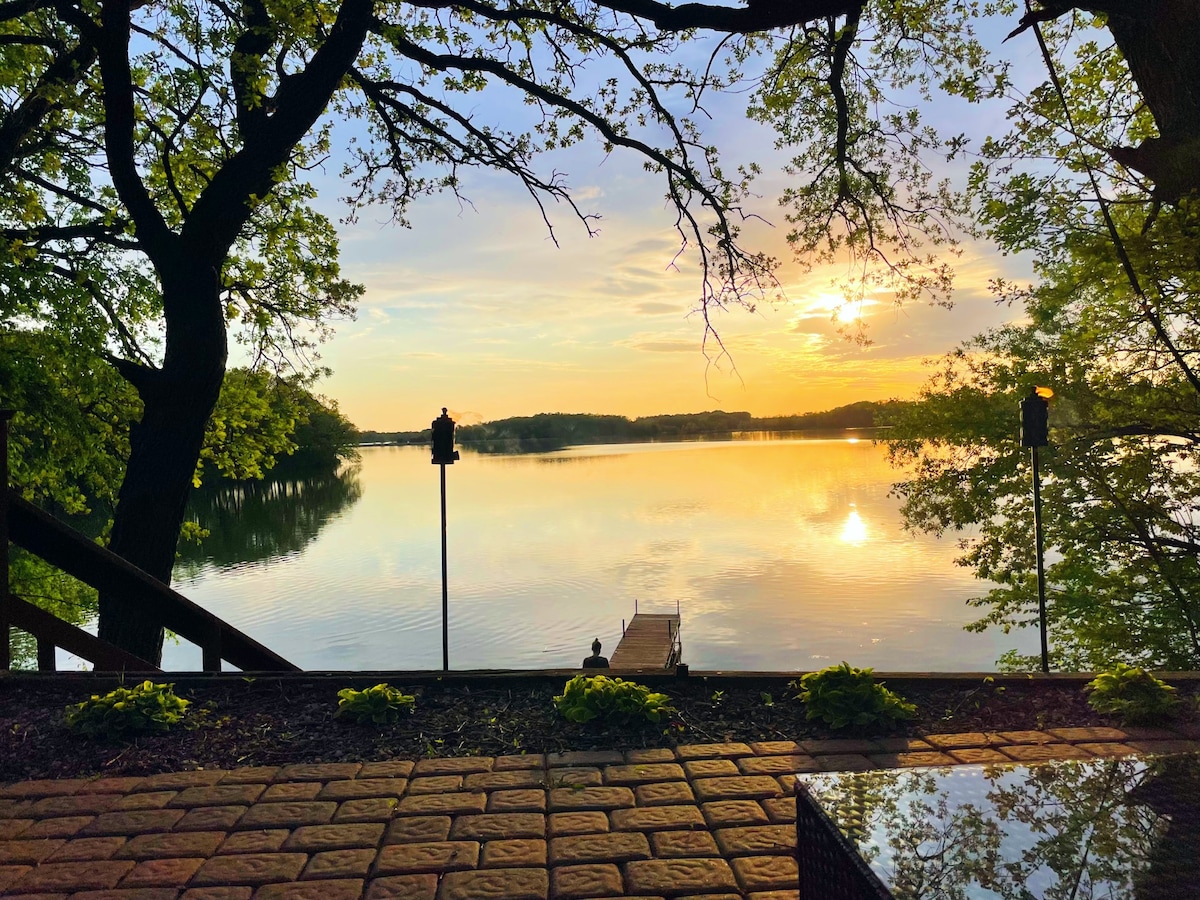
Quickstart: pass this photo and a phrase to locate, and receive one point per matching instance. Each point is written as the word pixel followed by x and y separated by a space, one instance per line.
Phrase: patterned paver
pixel 707 819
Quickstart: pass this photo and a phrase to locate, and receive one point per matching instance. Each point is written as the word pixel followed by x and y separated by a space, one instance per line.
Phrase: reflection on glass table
pixel 1107 829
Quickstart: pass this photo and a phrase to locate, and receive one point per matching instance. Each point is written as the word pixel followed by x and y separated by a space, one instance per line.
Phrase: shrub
pixel 587 698
pixel 843 696
pixel 143 708
pixel 381 704
pixel 1131 693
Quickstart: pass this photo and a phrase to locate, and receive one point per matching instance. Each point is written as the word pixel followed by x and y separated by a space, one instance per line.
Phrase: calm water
pixel 782 555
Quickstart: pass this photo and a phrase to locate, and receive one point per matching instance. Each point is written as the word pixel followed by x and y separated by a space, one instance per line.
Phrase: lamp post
pixel 444 455
pixel 1035 433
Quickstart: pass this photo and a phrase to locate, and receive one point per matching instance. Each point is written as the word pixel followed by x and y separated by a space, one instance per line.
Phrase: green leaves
pixel 843 697
pixel 611 700
pixel 378 705
pixel 147 707
pixel 1132 694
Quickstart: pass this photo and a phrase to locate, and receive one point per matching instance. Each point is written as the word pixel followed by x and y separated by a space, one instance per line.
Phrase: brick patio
pixel 711 820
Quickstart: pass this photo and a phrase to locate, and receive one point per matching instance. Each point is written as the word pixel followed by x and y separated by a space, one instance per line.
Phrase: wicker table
pixel 1119 829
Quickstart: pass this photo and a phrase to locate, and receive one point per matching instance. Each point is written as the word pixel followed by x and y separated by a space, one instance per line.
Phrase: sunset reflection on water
pixel 782 554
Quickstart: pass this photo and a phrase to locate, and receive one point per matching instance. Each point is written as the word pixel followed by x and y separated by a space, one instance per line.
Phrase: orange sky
pixel 475 308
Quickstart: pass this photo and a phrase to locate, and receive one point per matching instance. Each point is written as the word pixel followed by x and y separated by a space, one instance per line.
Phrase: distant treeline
pixel 550 431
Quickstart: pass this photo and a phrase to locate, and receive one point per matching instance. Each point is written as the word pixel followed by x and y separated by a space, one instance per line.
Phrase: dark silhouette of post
pixel 444 455
pixel 5 607
pixel 1035 433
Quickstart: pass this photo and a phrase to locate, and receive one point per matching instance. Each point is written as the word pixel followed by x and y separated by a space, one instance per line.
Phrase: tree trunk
pixel 1159 40
pixel 165 445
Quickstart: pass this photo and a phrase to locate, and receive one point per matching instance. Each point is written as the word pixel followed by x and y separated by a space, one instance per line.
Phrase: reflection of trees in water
pixel 1107 829
pixel 256 520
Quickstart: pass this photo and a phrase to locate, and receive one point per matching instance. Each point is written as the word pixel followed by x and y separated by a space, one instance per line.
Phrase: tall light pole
pixel 444 455
pixel 1035 433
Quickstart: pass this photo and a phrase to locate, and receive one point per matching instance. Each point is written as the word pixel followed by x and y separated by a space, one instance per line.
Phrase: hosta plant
pixel 379 705
pixel 843 697
pixel 146 707
pixel 1131 693
pixel 598 697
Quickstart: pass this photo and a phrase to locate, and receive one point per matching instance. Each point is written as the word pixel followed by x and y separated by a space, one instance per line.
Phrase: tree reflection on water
pixel 252 521
pixel 1100 830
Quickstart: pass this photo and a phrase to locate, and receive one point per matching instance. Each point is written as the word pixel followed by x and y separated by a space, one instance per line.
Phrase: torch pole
pixel 1041 572
pixel 445 590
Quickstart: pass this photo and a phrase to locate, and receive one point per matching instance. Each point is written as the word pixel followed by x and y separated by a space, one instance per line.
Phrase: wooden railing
pixel 74 553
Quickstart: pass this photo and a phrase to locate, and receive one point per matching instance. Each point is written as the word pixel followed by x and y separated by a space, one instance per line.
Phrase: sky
pixel 476 309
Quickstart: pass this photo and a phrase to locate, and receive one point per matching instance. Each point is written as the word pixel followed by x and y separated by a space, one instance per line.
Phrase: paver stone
pixel 712 751
pixel 418 830
pixel 391 768
pixel 211 818
pixel 363 789
pixel 759 840
pixel 449 804
pixel 496 884
pixel 315 838
pixel 461 765
pixel 765 873
pixel 172 873
pixel 587 881
pixel 65 827
pixel 439 856
pixel 374 809
pixel 665 793
pixel 348 889
pixel 676 877
pixel 643 773
pixel 494 826
pixel 265 841
pixel 404 887
pixel 174 845
pixel 514 854
pixel 560 824
pixel 745 787
pixel 527 800
pixel 657 818
pixel 732 813
pixel 598 848
pixel 83 849
pixel 287 815
pixel 72 876
pixel 251 868
pixel 683 844
pixel 590 798
pixel 339 864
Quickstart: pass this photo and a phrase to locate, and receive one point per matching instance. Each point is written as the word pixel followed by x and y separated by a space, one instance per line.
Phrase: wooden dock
pixel 650 641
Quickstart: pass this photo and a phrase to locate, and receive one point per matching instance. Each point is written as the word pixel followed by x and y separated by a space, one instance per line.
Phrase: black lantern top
pixel 444 453
pixel 1035 418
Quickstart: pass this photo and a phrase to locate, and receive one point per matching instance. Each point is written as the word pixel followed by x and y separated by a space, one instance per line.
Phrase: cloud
pixel 654 308
pixel 674 345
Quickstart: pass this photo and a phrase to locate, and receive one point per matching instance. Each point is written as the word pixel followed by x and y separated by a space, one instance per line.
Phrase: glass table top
pixel 1113 829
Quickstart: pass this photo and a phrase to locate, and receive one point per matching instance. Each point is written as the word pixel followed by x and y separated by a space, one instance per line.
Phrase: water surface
pixel 781 555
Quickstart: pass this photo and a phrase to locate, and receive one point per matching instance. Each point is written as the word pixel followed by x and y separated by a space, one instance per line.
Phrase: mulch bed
pixel 271 721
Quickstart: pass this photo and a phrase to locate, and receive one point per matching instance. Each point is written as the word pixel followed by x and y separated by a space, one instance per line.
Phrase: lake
pixel 781 555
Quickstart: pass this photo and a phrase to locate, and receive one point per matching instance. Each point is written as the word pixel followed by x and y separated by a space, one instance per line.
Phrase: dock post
pixel 5 606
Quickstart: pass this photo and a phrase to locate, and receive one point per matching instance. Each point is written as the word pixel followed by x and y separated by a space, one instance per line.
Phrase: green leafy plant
pixel 379 705
pixel 1131 693
pixel 585 699
pixel 146 707
pixel 843 696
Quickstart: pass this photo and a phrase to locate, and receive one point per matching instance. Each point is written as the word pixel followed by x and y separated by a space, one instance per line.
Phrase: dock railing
pixel 41 534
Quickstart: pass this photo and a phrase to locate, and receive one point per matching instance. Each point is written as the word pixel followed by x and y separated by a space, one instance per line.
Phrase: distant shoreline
pixel 520 444
pixel 558 430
